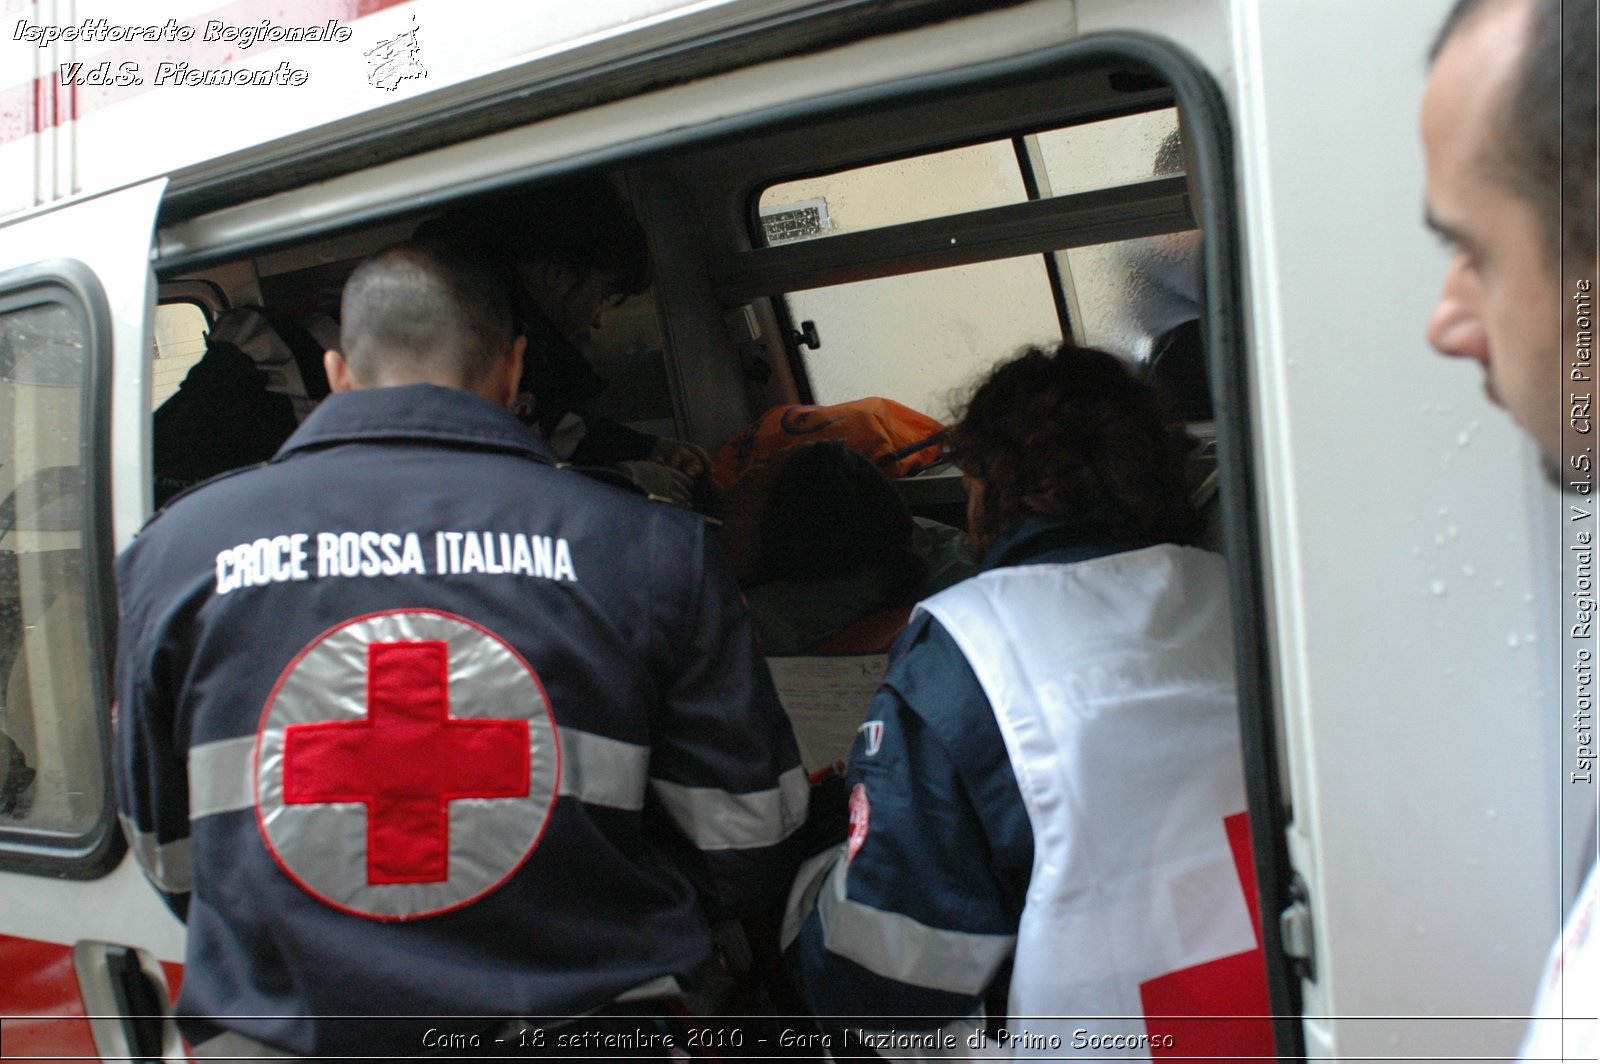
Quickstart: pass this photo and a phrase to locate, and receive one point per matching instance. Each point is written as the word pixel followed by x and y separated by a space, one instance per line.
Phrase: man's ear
pixel 513 369
pixel 339 377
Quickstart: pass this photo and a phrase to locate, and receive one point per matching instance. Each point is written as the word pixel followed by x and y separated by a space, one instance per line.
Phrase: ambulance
pixel 843 198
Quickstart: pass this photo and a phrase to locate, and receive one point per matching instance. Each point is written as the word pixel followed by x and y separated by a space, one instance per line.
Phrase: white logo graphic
pixel 395 60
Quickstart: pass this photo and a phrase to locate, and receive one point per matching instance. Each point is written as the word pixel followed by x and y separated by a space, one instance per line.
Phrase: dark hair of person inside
pixel 581 222
pixel 1074 435
pixel 820 510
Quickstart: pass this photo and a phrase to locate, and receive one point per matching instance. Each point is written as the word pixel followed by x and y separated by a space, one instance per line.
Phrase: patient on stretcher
pixel 820 539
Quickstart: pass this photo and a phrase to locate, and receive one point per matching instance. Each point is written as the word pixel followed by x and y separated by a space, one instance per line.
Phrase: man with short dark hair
pixel 413 723
pixel 1508 129
pixel 397 328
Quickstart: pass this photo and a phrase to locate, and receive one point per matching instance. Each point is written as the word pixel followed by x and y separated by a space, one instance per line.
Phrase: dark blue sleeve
pixel 724 763
pixel 916 915
pixel 151 779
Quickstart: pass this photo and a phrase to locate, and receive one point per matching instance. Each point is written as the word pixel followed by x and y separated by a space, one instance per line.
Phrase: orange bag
pixel 879 428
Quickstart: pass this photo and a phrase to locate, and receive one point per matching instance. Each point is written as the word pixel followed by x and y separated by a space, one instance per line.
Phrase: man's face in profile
pixel 571 297
pixel 1501 301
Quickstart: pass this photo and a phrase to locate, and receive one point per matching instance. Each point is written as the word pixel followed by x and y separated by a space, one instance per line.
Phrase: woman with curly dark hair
pixel 1046 804
pixel 1073 438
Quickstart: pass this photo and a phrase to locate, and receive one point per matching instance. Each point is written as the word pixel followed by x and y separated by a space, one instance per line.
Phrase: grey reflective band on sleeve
pixel 601 771
pixel 220 777
pixel 169 865
pixel 813 872
pixel 722 820
pixel 899 948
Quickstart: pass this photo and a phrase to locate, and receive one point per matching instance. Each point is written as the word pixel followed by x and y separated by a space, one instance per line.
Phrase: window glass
pixel 1117 151
pixel 907 190
pixel 1104 154
pixel 51 767
pixel 1133 292
pixel 180 341
pixel 918 337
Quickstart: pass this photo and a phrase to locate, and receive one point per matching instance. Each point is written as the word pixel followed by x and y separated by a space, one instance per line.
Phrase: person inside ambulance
pixel 260 376
pixel 413 722
pixel 1046 806
pixel 571 251
pixel 819 539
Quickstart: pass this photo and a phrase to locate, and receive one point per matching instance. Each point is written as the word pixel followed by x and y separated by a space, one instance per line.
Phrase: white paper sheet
pixel 827 699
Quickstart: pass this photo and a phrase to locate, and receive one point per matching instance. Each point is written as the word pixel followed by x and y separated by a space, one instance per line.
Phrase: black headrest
pixel 1178 361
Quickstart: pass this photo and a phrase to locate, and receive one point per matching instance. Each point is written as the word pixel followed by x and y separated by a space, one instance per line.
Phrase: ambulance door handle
pixel 138 1004
pixel 807 336
pixel 1294 925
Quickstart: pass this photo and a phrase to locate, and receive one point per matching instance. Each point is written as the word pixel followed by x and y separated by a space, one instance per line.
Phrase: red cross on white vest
pixel 1220 1009
pixel 406 761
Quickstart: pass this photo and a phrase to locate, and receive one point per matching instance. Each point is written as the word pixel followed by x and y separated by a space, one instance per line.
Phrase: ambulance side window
pixel 55 802
pixel 939 293
pixel 181 329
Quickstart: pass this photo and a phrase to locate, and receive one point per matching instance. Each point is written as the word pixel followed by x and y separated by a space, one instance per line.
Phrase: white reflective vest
pixel 1113 684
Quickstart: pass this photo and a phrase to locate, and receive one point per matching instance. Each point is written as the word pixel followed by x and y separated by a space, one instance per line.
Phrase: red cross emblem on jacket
pixel 406 764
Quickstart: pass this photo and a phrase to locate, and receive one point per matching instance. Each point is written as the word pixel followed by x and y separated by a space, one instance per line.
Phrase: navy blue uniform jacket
pixel 677 780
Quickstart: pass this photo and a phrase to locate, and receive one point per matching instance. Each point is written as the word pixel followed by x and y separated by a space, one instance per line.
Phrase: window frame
pixel 207 295
pixel 98 849
pixel 1019 230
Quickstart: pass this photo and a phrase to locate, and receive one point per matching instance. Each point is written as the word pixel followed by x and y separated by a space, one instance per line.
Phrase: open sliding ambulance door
pixel 88 950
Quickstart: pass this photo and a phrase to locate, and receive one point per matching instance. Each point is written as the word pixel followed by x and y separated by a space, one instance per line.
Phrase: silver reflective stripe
pixel 169 865
pixel 601 771
pixel 721 820
pixel 899 948
pixel 803 893
pixel 221 779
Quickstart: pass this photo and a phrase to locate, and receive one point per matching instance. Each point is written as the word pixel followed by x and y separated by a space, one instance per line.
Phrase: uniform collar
pixel 1043 539
pixel 414 412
